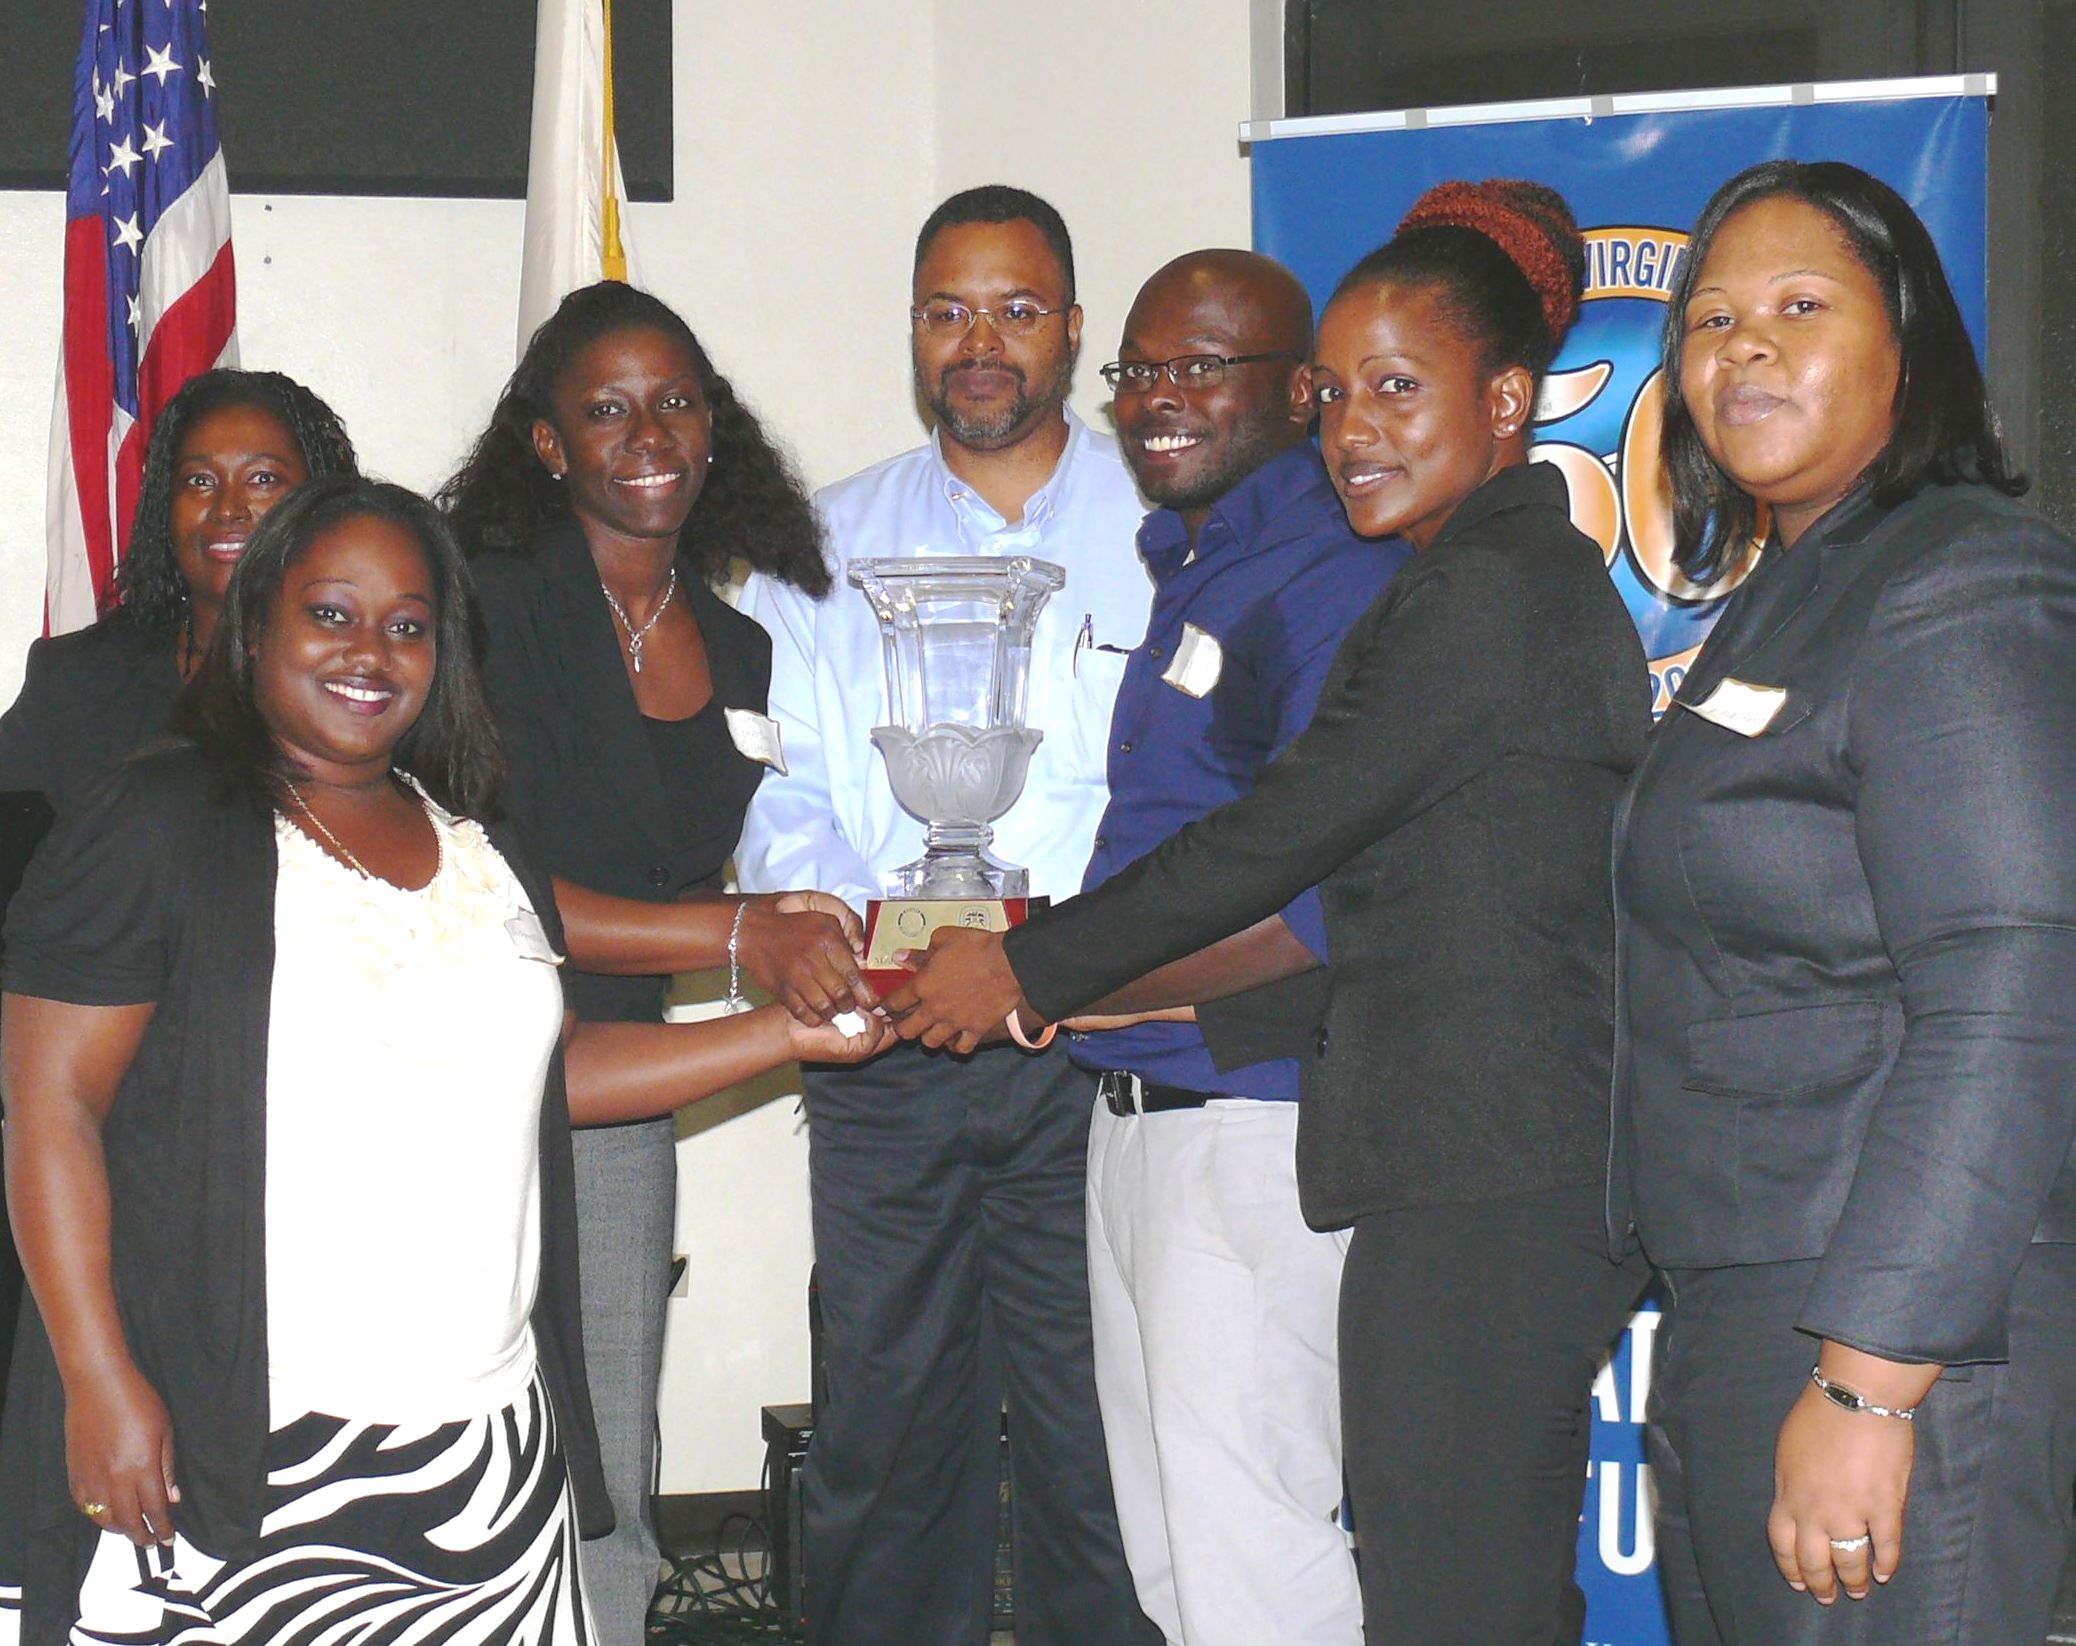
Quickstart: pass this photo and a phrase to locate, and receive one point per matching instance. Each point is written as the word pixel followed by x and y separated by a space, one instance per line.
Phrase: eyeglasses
pixel 1018 317
pixel 1185 371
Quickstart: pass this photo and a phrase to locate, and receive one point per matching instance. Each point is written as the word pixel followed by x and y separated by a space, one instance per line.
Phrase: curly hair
pixel 453 747
pixel 753 507
pixel 147 591
pixel 1945 427
pixel 1506 257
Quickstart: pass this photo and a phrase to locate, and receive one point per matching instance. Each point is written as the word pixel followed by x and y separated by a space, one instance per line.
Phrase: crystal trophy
pixel 955 636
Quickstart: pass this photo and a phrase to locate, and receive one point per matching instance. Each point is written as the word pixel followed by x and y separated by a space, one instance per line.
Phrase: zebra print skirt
pixel 454 1535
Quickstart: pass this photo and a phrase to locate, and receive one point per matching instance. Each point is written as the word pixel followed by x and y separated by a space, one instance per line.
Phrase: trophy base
pixel 893 924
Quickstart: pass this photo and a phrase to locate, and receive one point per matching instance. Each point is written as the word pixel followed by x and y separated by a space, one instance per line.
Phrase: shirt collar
pixel 1043 504
pixel 1259 511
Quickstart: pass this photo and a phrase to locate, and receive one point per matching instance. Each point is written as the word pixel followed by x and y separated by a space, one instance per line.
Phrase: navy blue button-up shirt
pixel 1236 650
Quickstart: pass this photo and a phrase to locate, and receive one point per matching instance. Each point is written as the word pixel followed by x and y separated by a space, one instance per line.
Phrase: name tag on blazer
pixel 1197 664
pixel 757 738
pixel 1742 708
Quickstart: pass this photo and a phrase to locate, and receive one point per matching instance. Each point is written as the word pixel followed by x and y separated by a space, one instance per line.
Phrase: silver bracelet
pixel 1852 1400
pixel 735 1003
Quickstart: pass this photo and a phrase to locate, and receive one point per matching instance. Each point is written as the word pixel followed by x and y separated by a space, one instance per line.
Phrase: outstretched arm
pixel 60 1067
pixel 800 947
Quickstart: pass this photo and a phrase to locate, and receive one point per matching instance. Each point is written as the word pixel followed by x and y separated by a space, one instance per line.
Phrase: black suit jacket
pixel 1849 940
pixel 586 793
pixel 1453 798
pixel 88 700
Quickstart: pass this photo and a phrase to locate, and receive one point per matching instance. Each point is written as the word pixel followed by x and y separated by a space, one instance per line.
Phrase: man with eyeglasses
pixel 1215 1306
pixel 948 1192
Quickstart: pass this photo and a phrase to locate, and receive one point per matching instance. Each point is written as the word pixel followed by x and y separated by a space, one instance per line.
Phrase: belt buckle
pixel 1123 1091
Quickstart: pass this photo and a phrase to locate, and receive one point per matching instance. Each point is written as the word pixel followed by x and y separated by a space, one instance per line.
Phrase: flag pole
pixel 613 256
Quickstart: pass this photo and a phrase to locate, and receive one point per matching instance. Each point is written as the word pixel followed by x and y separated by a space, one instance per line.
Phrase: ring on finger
pixel 93 1511
pixel 1847 1545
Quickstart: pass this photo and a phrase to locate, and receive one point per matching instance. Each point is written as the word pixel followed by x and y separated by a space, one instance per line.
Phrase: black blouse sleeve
pixel 26 730
pixel 92 922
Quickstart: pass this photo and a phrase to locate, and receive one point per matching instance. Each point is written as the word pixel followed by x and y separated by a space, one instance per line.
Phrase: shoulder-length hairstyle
pixel 148 591
pixel 452 748
pixel 753 507
pixel 1945 429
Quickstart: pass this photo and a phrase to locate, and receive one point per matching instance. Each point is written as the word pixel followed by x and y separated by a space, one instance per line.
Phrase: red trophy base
pixel 895 924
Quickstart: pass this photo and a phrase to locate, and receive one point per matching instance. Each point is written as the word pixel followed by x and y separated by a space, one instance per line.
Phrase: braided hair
pixel 752 508
pixel 147 591
pixel 1505 258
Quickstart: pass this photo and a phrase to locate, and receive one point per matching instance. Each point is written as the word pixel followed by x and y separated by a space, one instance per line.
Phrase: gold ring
pixel 93 1511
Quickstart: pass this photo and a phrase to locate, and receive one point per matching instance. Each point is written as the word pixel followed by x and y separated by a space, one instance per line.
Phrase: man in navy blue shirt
pixel 1214 1305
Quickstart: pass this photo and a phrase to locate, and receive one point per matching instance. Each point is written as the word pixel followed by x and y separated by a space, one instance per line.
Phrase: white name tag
pixel 757 738
pixel 1741 708
pixel 1197 663
pixel 530 938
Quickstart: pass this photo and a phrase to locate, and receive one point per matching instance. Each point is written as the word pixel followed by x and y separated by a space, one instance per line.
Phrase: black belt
pixel 1127 1094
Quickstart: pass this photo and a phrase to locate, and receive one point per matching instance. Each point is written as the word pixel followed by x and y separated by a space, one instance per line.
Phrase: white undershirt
pixel 406 1054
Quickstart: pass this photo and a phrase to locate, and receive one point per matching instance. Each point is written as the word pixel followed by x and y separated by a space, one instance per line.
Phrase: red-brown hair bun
pixel 1528 221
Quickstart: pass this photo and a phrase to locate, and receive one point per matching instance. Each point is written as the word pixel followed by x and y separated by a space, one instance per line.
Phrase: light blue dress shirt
pixel 830 822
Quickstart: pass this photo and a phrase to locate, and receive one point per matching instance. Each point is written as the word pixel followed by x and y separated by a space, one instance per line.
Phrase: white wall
pixel 812 138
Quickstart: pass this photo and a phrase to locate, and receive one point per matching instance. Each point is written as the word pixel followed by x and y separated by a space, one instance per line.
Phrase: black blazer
pixel 1849 941
pixel 586 794
pixel 150 890
pixel 1452 798
pixel 88 700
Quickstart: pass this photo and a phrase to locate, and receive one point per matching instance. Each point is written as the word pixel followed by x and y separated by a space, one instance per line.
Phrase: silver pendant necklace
pixel 635 636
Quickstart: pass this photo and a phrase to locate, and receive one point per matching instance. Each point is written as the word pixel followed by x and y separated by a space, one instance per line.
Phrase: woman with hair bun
pixel 1453 798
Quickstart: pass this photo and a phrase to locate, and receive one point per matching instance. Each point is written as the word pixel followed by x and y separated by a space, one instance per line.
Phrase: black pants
pixel 1470 1336
pixel 950 1244
pixel 1987 1525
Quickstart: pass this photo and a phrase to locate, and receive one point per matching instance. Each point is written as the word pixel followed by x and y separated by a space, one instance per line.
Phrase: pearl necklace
pixel 635 636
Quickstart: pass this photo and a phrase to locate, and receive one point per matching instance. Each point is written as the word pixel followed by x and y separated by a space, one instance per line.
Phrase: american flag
pixel 150 291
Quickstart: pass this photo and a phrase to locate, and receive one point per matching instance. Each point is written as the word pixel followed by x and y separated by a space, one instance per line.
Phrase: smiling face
pixel 346 660
pixel 989 391
pixel 1410 420
pixel 233 464
pixel 1790 364
pixel 631 436
pixel 1188 445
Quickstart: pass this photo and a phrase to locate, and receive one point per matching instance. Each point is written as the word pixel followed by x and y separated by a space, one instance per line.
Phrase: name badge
pixel 1197 663
pixel 757 738
pixel 530 938
pixel 1741 708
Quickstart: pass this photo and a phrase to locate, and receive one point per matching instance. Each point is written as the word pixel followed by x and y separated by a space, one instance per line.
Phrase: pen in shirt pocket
pixel 1085 640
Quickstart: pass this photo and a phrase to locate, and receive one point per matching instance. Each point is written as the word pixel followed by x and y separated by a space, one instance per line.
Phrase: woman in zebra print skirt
pixel 288 1144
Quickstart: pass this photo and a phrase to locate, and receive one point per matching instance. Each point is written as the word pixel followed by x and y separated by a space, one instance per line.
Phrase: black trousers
pixel 950 1244
pixel 1470 1336
pixel 1987 1525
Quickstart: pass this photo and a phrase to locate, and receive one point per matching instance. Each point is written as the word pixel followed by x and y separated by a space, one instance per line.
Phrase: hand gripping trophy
pixel 955 636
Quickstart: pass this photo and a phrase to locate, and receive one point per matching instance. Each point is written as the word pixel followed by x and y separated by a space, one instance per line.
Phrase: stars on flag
pixel 127 232
pixel 161 62
pixel 121 157
pixel 155 139
pixel 203 77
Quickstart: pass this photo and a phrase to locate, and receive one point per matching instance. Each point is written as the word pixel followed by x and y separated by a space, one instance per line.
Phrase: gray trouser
pixel 1987 1525
pixel 949 1200
pixel 627 1179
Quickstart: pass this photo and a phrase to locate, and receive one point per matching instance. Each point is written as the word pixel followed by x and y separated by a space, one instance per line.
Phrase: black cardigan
pixel 151 891
pixel 87 700
pixel 1453 798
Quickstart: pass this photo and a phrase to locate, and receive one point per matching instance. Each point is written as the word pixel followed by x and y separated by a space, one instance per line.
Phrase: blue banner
pixel 1636 183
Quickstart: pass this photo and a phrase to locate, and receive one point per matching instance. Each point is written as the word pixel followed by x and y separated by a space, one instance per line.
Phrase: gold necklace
pixel 339 845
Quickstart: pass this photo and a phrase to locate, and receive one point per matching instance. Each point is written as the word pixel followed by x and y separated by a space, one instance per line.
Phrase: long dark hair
pixel 452 748
pixel 147 591
pixel 1945 428
pixel 1504 257
pixel 752 508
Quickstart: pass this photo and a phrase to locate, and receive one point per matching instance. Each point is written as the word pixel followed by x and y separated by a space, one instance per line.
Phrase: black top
pixel 588 793
pixel 1849 934
pixel 687 753
pixel 150 891
pixel 1453 797
pixel 87 700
